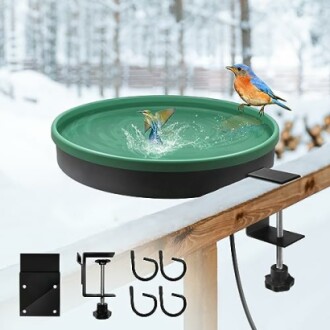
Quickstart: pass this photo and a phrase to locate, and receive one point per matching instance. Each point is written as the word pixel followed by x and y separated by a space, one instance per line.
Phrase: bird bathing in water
pixel 155 122
pixel 252 89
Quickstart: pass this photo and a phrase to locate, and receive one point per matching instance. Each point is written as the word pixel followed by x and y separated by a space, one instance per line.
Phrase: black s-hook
pixel 131 293
pixel 161 298
pixel 161 263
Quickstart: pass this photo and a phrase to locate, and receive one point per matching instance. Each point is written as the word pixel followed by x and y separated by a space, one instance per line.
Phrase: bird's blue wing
pixel 257 82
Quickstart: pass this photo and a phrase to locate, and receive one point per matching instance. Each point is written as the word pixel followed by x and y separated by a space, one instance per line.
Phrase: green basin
pixel 103 144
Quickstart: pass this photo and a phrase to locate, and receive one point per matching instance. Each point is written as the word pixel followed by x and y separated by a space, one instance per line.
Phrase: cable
pixel 239 283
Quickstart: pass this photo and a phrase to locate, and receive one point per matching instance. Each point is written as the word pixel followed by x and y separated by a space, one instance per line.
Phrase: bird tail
pixel 281 104
pixel 279 98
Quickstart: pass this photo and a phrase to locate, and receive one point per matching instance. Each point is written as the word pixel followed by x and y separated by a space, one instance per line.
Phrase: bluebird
pixel 155 122
pixel 252 89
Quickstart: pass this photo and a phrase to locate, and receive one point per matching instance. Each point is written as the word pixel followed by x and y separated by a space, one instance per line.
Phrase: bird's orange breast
pixel 249 93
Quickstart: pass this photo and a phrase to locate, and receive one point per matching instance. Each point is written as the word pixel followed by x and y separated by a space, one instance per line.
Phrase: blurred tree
pixel 77 40
pixel 2 33
pixel 107 41
pixel 87 34
pixel 32 29
pixel 40 36
pixel 167 24
pixel 101 32
pixel 299 35
pixel 116 49
pixel 68 44
pixel 178 12
pixel 302 41
pixel 12 40
pixel 73 62
pixel 232 42
pixel 50 32
pixel 320 32
pixel 246 32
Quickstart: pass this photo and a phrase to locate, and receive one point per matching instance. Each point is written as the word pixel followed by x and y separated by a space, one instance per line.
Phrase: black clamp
pixel 279 278
pixel 40 285
pixel 102 258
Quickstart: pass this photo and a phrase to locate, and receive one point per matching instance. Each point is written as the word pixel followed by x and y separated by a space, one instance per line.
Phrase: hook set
pixel 160 288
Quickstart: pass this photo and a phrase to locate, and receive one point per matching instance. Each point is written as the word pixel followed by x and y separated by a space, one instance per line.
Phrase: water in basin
pixel 189 133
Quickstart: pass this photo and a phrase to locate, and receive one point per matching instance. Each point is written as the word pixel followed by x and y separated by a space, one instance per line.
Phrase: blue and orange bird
pixel 252 89
pixel 155 122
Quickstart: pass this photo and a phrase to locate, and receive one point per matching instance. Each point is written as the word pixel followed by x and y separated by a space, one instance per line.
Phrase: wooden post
pixel 201 290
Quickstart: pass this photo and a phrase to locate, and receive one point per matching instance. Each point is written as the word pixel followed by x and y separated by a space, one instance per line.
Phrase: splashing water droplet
pixel 171 135
pixel 201 136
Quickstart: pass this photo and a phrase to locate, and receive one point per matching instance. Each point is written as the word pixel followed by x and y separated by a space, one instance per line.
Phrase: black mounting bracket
pixel 262 231
pixel 279 279
pixel 275 176
pixel 103 258
pixel 83 261
pixel 40 285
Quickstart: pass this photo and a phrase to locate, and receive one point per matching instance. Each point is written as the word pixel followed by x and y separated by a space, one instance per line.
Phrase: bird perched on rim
pixel 155 122
pixel 252 89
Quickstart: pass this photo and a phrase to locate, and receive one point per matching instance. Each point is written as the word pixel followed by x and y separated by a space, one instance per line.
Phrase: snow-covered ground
pixel 42 210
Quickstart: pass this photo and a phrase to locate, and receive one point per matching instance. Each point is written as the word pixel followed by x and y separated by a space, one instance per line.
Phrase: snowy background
pixel 57 54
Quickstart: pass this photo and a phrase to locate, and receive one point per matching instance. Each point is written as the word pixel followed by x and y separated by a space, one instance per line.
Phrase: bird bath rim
pixel 160 165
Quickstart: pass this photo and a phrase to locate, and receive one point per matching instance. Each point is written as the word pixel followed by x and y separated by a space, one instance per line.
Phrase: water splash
pixel 171 135
pixel 216 133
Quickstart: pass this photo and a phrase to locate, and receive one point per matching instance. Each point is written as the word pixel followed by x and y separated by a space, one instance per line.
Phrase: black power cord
pixel 239 283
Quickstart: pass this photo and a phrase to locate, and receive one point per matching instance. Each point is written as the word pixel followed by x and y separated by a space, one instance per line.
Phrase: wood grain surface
pixel 201 289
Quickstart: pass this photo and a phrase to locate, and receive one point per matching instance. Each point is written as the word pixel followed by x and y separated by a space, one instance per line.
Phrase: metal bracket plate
pixel 276 176
pixel 264 232
pixel 40 285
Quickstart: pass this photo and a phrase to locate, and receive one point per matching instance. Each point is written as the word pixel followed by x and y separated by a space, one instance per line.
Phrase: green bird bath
pixel 207 144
